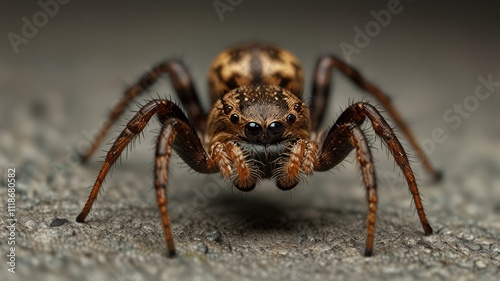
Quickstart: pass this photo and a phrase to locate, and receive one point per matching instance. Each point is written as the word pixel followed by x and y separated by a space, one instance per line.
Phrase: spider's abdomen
pixel 254 64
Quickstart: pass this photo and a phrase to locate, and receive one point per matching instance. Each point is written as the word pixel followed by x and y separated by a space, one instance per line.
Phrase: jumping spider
pixel 259 127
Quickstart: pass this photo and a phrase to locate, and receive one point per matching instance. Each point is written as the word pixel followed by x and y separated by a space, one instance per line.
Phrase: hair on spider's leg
pixel 162 156
pixel 175 121
pixel 384 130
pixel 340 141
pixel 133 127
pixel 334 151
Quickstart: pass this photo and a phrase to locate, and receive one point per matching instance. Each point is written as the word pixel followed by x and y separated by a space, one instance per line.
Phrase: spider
pixel 259 127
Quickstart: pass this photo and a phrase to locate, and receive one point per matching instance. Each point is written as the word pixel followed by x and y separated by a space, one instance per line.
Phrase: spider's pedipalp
pixel 234 164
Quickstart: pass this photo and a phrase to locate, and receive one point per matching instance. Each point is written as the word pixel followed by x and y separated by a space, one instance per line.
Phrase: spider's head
pixel 259 115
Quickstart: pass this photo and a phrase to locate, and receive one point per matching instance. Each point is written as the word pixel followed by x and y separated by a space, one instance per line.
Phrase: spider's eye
pixel 227 109
pixel 297 107
pixel 290 119
pixel 275 130
pixel 234 118
pixel 253 131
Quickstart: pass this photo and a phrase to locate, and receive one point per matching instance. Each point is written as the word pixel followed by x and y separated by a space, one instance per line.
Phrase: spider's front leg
pixel 176 133
pixel 346 135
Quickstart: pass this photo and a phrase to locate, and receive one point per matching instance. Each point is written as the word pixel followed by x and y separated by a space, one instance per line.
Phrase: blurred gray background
pixel 57 86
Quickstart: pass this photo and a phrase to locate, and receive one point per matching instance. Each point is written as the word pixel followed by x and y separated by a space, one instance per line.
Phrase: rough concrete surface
pixel 57 89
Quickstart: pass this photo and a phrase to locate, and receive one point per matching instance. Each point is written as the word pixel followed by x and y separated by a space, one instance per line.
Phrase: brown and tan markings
pixel 255 64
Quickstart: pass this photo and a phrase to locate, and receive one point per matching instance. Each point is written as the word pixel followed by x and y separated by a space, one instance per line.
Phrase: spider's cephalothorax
pixel 264 121
pixel 259 127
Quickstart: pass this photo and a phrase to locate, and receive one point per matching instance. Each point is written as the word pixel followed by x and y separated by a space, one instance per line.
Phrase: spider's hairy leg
pixel 335 149
pixel 233 165
pixel 321 93
pixel 162 156
pixel 302 159
pixel 183 85
pixel 132 129
pixel 176 133
pixel 340 141
pixel 384 130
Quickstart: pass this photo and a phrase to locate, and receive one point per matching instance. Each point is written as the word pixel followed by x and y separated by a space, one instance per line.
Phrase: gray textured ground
pixel 61 84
